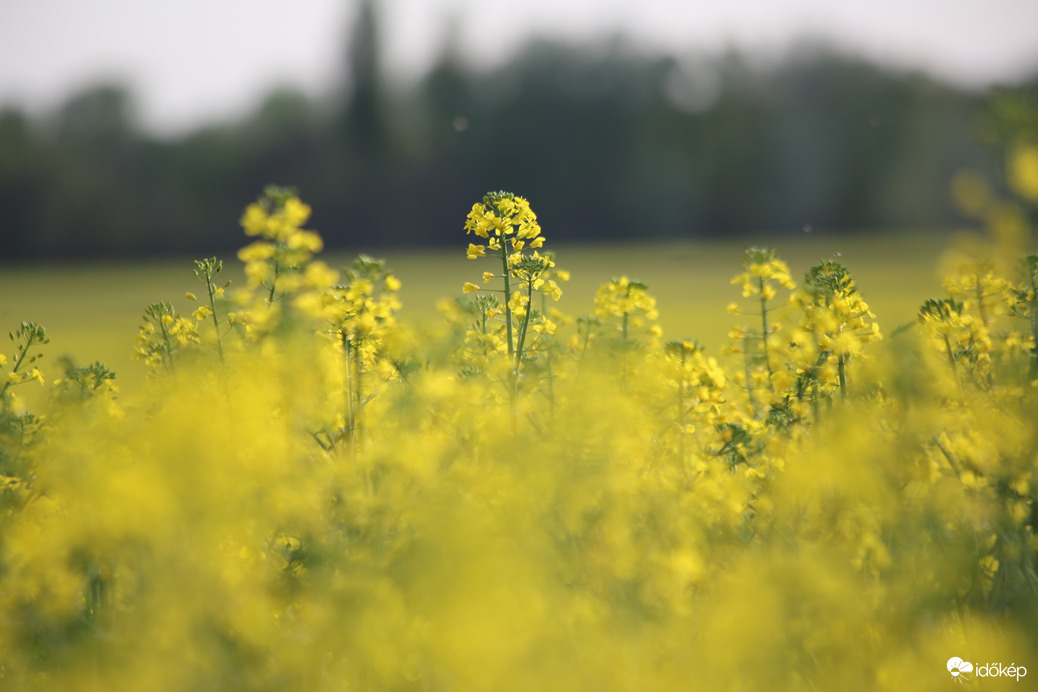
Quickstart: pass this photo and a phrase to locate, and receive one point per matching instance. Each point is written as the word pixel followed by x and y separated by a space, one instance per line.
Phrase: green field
pixel 92 310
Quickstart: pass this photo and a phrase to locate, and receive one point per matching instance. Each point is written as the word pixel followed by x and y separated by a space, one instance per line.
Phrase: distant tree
pixel 22 184
pixel 364 117
pixel 102 112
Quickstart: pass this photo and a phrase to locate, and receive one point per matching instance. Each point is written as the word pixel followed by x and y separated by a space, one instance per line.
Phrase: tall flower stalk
pixel 513 236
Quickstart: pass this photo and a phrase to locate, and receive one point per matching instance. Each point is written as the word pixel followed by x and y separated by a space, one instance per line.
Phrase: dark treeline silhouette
pixel 607 141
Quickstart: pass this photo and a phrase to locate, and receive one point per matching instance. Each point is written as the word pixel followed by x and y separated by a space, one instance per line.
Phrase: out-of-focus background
pixel 143 128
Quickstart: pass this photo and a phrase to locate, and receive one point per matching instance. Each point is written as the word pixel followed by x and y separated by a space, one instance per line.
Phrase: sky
pixel 195 61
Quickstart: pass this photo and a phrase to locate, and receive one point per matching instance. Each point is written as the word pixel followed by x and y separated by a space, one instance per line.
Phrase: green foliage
pixel 85 381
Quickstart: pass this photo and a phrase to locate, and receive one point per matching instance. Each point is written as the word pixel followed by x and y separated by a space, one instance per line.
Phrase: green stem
pixel 814 401
pixel 841 368
pixel 216 321
pixel 951 360
pixel 980 302
pixel 525 325
pixel 517 360
pixel 625 317
pixel 167 346
pixel 1032 373
pixel 513 384
pixel 746 358
pixel 508 296
pixel 351 414
pixel 764 331
pixel 18 363
pixel 273 282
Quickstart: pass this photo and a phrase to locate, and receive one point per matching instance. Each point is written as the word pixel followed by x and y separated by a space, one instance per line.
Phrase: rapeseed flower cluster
pixel 839 321
pixel 163 336
pixel 626 310
pixel 763 274
pixel 511 334
pixel 277 260
pixel 309 497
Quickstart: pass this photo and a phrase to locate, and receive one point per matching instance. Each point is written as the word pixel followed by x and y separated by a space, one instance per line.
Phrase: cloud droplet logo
pixel 957 667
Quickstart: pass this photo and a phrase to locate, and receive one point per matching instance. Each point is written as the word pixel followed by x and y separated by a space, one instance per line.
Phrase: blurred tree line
pixel 608 142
